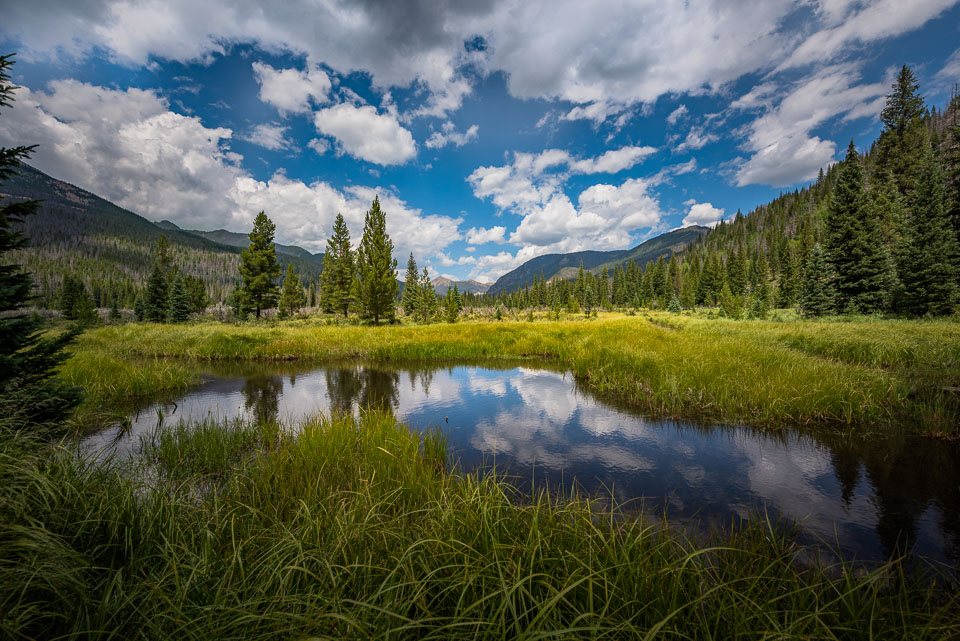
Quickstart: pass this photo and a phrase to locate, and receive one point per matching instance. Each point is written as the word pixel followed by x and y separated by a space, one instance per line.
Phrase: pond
pixel 867 497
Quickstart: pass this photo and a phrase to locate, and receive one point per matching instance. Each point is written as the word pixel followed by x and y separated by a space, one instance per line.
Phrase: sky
pixel 493 131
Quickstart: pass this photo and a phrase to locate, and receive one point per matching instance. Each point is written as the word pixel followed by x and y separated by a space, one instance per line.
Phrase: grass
pixel 760 372
pixel 344 527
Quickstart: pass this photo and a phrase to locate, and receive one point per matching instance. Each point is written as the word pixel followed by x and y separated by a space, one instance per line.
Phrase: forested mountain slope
pixel 551 266
pixel 110 248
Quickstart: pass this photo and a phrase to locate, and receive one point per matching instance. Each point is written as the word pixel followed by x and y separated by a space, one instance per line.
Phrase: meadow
pixel 845 372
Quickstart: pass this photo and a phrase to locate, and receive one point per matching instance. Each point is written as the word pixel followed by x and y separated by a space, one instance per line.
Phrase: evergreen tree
pixel 30 395
pixel 84 308
pixel 731 305
pixel 178 303
pixel 155 297
pixel 411 287
pixel 737 273
pixel 339 271
pixel 140 310
pixel 426 298
pixel 855 243
pixel 675 306
pixel 451 305
pixel 70 290
pixel 904 134
pixel 817 296
pixel 377 266
pixel 790 275
pixel 196 293
pixel 291 297
pixel 259 268
pixel 114 314
pixel 928 266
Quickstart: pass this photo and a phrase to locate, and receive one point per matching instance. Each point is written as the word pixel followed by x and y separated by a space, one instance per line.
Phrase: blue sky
pixel 493 131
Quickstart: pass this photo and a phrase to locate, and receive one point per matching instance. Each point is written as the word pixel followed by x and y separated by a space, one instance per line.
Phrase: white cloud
pixel 290 90
pixel 604 57
pixel 784 151
pixel 612 161
pixel 876 20
pixel 269 136
pixel 696 139
pixel 677 114
pixel 702 214
pixel 951 69
pixel 483 235
pixel 127 147
pixel 366 134
pixel 319 145
pixel 449 135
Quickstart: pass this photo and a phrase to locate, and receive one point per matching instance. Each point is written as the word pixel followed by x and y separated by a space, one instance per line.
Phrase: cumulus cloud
pixel 128 147
pixel 448 135
pixel 366 134
pixel 290 90
pixel 603 57
pixel 479 236
pixel 784 151
pixel 269 136
pixel 702 214
pixel 531 179
pixel 319 145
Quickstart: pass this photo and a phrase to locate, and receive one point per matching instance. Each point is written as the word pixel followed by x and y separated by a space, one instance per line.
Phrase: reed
pixel 351 527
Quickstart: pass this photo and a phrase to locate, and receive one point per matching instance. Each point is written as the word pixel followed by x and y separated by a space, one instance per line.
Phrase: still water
pixel 867 497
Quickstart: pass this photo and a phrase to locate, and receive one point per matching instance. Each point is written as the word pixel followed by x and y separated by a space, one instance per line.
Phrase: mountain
pixel 236 239
pixel 110 248
pixel 441 285
pixel 567 265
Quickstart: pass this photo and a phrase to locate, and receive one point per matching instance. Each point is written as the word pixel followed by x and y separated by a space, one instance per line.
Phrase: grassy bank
pixel 354 530
pixel 767 373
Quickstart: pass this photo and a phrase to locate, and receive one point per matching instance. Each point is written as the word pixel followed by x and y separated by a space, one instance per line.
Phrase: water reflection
pixel 866 495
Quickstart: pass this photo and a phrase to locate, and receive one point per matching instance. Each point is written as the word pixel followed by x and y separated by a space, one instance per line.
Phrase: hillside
pixel 566 265
pixel 236 239
pixel 109 247
pixel 441 285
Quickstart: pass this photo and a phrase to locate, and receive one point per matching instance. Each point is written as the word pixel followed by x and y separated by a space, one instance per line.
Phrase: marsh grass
pixel 350 527
pixel 760 372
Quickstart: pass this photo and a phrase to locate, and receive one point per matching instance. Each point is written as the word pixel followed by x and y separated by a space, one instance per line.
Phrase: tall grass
pixel 766 373
pixel 350 527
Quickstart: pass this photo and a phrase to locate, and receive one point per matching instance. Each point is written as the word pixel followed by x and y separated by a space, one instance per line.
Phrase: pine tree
pixel 139 309
pixel 426 298
pixel 155 297
pixel 114 314
pixel 731 305
pixel 291 297
pixel 451 305
pixel 411 287
pixel 817 296
pixel 855 244
pixel 259 268
pixel 904 134
pixel 70 290
pixel 84 311
pixel 196 293
pixel 30 396
pixel 178 303
pixel 377 267
pixel 928 262
pixel 339 271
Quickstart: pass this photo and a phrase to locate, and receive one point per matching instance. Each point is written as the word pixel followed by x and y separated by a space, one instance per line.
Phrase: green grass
pixel 759 372
pixel 350 528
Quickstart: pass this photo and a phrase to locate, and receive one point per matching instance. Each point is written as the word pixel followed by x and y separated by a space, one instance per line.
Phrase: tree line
pixel 878 232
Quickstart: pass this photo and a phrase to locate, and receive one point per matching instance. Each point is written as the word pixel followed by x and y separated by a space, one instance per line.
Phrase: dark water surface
pixel 869 497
